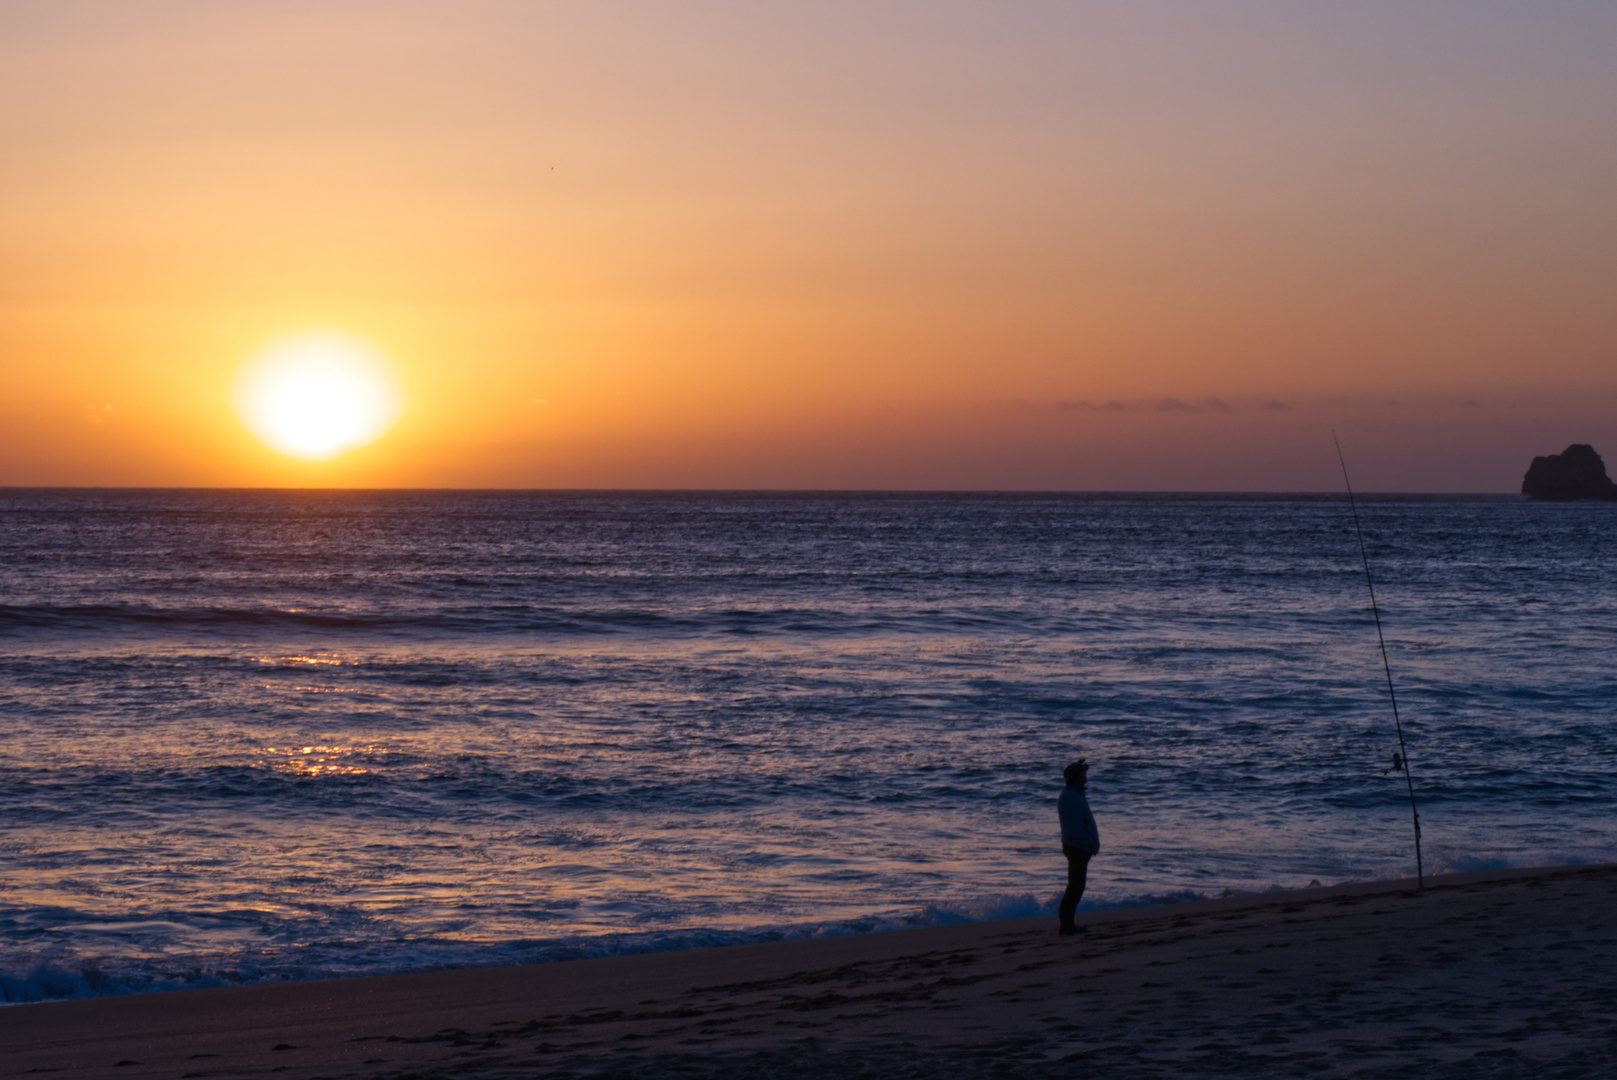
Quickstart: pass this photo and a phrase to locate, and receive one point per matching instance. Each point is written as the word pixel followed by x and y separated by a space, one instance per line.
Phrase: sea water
pixel 258 735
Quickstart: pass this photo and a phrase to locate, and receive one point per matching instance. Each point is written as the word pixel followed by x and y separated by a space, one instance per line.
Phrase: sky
pixel 885 245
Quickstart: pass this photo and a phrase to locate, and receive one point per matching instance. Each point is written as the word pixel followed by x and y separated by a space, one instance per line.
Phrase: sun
pixel 317 394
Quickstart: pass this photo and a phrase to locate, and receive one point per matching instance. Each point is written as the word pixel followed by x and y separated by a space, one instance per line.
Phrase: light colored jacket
pixel 1077 823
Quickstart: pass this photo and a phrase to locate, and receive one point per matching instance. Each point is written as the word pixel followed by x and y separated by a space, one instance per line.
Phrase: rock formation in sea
pixel 1575 473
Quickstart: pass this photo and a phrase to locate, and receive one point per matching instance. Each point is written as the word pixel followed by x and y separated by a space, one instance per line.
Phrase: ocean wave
pixel 508 619
pixel 61 977
pixel 53 977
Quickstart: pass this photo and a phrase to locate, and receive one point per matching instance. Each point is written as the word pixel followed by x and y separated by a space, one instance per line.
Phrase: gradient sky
pixel 816 245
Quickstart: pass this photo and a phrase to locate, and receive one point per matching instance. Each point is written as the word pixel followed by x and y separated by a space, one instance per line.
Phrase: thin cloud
pixel 1162 405
pixel 1166 405
pixel 1086 405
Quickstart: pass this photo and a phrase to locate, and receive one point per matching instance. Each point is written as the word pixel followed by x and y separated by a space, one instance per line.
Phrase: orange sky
pixel 879 245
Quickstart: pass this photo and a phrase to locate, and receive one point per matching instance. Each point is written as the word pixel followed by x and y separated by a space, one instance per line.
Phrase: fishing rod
pixel 1400 760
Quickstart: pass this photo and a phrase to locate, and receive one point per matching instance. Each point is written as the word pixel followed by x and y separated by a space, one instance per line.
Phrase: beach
pixel 1503 973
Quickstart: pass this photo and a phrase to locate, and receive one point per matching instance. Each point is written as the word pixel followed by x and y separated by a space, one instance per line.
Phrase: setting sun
pixel 317 395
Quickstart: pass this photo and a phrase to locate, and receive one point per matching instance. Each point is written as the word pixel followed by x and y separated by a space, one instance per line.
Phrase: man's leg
pixel 1077 878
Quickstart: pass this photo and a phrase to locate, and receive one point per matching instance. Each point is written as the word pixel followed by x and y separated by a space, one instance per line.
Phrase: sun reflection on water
pixel 316 660
pixel 322 761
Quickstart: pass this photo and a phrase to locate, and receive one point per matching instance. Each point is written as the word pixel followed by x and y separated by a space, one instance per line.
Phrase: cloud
pixel 1207 404
pixel 1086 405
pixel 1162 405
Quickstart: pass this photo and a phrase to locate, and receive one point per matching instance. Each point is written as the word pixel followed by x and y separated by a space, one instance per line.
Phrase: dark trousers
pixel 1077 878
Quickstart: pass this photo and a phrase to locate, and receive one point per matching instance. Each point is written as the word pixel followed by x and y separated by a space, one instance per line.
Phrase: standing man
pixel 1079 840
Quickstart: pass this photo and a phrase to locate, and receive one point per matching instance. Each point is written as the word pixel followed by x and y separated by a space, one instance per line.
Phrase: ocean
pixel 266 735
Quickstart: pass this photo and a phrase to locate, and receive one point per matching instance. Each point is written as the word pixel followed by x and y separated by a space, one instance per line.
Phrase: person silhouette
pixel 1080 840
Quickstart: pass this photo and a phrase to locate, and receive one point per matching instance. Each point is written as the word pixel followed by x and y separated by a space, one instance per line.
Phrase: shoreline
pixel 616 944
pixel 1508 969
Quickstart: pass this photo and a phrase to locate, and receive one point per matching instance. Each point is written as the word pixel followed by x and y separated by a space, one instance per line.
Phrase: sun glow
pixel 316 395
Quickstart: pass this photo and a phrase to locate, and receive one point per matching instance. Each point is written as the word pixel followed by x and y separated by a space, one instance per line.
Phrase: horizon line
pixel 1007 492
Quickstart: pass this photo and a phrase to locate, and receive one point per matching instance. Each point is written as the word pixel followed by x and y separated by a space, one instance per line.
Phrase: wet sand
pixel 1507 974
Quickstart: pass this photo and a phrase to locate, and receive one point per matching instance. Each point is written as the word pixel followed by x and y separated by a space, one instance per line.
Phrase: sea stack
pixel 1575 473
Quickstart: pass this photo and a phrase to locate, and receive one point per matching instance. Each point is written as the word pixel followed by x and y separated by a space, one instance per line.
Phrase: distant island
pixel 1575 473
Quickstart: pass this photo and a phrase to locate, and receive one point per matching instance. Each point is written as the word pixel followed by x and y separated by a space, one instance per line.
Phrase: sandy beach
pixel 1481 975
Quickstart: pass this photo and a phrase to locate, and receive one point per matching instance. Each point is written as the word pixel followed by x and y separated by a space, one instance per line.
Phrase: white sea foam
pixel 60 979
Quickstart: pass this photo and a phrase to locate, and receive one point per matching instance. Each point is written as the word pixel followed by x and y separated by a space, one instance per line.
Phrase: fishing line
pixel 1400 760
